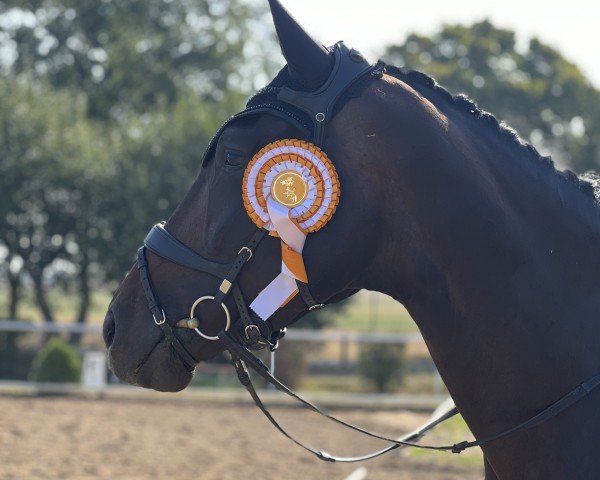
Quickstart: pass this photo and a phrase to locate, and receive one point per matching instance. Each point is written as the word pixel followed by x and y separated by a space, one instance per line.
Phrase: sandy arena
pixel 74 438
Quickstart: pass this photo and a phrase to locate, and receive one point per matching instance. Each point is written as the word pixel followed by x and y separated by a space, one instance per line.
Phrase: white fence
pixel 94 371
pixel 292 334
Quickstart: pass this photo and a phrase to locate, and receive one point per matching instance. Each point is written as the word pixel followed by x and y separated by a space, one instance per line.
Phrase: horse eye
pixel 234 158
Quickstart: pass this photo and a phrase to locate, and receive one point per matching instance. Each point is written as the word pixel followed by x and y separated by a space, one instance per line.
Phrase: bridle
pixel 248 331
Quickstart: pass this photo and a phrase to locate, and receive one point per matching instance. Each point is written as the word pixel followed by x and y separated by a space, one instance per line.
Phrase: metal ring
pixel 227 316
pixel 248 250
pixel 160 322
pixel 320 117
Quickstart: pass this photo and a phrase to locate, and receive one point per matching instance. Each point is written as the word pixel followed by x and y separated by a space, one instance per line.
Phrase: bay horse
pixel 493 252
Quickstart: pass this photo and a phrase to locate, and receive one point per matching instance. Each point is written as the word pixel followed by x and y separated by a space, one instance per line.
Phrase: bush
pixel 291 363
pixel 382 365
pixel 16 355
pixel 56 362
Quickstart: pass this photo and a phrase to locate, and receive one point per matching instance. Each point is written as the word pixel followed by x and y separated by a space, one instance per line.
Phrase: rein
pixel 242 357
pixel 249 331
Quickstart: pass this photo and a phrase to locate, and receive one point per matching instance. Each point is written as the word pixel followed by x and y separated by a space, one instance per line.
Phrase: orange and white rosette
pixel 291 188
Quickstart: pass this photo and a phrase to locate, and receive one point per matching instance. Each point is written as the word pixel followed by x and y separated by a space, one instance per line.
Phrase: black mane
pixel 589 183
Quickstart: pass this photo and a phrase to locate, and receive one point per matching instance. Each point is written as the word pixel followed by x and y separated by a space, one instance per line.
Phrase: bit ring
pixel 227 317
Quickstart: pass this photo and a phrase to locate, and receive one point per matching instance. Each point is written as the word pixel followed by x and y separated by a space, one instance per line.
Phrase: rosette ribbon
pixel 290 188
pixel 283 288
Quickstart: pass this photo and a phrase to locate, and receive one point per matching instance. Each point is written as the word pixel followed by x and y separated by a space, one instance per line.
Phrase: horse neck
pixel 497 263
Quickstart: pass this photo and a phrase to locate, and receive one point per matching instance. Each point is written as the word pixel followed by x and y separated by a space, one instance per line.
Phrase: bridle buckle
pixel 318 306
pixel 246 249
pixel 160 322
pixel 249 329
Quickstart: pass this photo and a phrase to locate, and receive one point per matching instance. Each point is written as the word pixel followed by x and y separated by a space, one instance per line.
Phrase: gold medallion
pixel 300 177
pixel 289 188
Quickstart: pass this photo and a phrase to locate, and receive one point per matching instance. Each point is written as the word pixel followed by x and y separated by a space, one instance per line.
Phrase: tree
pixel 537 91
pixel 135 54
pixel 107 107
pixel 156 160
pixel 50 159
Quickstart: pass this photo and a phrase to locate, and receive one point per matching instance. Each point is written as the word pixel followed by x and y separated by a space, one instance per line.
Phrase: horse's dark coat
pixel 493 252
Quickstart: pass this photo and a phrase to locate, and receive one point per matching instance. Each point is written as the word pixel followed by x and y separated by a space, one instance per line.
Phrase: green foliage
pixel 137 55
pixel 537 91
pixel 106 110
pixel 51 177
pixel 382 365
pixel 156 161
pixel 57 362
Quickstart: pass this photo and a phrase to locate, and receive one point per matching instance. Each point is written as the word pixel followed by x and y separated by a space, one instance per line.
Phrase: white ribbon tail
pixel 274 295
pixel 285 227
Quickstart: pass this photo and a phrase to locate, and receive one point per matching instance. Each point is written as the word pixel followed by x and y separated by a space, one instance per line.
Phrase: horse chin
pixel 172 378
pixel 161 370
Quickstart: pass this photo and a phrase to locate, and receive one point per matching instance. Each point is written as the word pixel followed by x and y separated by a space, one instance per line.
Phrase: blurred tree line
pixel 105 110
pixel 106 107
pixel 534 89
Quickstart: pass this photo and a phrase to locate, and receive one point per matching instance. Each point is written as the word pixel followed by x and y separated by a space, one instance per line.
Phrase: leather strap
pixel 244 378
pixel 250 330
pixel 349 66
pixel 307 297
pixel 243 256
pixel 162 243
pixel 159 315
pixel 241 357
pixel 549 412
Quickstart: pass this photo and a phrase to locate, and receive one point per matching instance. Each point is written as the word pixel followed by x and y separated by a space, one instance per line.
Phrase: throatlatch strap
pixel 241 356
pixel 307 297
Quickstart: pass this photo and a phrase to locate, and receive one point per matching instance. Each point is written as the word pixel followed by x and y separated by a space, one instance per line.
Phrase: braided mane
pixel 589 183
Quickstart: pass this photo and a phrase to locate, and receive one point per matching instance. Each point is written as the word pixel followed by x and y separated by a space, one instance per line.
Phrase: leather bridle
pixel 248 331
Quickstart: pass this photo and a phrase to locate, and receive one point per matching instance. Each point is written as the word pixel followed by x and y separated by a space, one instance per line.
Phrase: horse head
pixel 213 222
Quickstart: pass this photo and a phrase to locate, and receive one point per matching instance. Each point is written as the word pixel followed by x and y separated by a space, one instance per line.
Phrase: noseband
pixel 251 331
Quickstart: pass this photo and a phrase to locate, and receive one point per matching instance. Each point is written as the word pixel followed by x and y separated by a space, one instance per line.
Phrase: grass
pixel 414 383
pixel 450 432
pixel 64 306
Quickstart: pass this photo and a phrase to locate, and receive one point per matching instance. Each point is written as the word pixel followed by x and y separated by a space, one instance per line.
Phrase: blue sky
pixel 571 26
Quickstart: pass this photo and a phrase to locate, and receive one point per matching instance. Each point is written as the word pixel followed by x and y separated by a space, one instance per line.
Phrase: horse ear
pixel 308 61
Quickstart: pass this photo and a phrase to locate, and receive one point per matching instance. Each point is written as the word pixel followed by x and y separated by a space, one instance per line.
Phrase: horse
pixel 492 250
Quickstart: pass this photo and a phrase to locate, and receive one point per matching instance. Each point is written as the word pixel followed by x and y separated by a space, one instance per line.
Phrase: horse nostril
pixel 108 329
